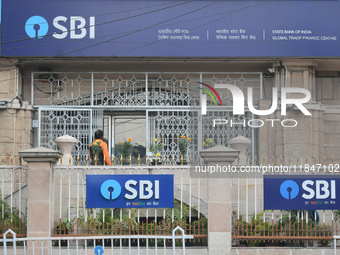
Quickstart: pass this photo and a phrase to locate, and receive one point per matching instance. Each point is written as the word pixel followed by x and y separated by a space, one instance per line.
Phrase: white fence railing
pixel 13 196
pixel 79 244
pixel 335 246
pixel 70 195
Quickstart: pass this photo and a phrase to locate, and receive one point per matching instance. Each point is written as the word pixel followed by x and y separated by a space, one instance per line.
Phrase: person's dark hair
pixel 98 134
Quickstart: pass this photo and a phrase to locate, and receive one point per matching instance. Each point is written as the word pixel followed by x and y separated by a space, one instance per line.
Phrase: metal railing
pixel 13 197
pixel 41 245
pixel 73 218
pixel 283 232
pixel 335 238
pixel 253 227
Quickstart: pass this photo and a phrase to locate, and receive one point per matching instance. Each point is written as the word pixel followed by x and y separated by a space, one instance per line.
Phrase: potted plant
pixel 208 143
pixel 125 150
pixel 183 145
pixel 96 149
pixel 156 147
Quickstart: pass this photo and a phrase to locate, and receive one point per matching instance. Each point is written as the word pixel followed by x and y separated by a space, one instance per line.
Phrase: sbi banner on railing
pixel 170 28
pixel 294 192
pixel 129 191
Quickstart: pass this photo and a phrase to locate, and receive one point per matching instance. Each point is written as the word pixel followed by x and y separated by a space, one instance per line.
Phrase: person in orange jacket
pixel 101 146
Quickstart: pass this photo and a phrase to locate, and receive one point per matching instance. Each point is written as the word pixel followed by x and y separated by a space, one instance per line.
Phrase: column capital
pixel 40 154
pixel 219 154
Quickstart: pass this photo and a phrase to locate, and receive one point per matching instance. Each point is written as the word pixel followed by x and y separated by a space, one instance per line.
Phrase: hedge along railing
pixel 13 197
pixel 254 227
pixel 72 218
pixel 292 229
pixel 130 226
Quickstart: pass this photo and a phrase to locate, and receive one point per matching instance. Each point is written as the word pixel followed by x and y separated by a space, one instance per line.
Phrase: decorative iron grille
pixel 79 124
pixel 171 99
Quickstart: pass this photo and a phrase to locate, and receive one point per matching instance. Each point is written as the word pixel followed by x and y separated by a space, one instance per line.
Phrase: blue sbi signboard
pixel 129 191
pixel 294 192
pixel 170 28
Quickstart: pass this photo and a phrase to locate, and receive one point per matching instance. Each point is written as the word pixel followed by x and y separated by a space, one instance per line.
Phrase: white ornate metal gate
pixel 78 123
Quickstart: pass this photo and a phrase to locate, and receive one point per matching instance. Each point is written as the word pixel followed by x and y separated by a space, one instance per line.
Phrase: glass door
pixel 119 129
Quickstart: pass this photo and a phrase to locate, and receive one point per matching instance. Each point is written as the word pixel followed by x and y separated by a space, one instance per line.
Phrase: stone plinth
pixel 219 200
pixel 40 192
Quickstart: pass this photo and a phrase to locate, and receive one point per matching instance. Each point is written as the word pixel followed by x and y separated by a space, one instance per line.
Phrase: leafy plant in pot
pixel 96 152
pixel 156 148
pixel 183 145
pixel 208 143
pixel 125 149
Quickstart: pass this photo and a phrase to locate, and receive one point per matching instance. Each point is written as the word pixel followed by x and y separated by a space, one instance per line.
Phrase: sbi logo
pixel 36 27
pixel 318 189
pixel 111 189
pixel 76 27
pixel 289 189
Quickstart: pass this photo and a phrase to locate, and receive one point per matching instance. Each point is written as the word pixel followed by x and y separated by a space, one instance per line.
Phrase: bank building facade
pixel 162 71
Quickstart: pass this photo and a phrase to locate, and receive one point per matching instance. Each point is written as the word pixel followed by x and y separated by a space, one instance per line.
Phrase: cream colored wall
pixel 8 79
pixel 332 134
pixel 316 136
pixel 16 117
pixel 15 135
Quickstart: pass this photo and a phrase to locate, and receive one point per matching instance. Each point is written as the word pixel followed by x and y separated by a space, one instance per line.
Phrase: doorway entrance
pixel 120 127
